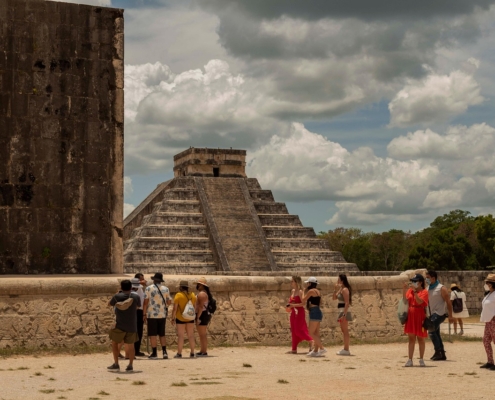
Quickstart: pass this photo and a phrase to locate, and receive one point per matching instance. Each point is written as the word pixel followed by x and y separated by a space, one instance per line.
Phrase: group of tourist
pixel 312 297
pixel 429 304
pixel 137 304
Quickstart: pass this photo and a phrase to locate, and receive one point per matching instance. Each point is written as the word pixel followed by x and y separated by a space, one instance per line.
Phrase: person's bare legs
pixel 203 339
pixel 461 324
pixel 163 342
pixel 422 346
pixel 455 325
pixel 190 336
pixel 314 331
pixel 180 337
pixel 115 352
pixel 412 342
pixel 129 351
pixel 153 341
pixel 344 326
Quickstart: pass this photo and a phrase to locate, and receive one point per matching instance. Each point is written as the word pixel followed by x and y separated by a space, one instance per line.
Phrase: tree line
pixel 453 241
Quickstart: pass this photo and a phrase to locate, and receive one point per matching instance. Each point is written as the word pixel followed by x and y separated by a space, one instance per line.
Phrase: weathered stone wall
pixel 61 138
pixel 72 311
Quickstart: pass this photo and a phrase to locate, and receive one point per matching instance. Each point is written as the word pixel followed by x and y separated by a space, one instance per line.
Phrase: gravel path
pixel 372 372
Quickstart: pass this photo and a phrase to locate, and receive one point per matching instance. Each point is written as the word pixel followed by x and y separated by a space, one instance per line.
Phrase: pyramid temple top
pixel 227 163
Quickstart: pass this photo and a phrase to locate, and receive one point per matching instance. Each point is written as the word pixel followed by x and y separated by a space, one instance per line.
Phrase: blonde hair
pixel 298 281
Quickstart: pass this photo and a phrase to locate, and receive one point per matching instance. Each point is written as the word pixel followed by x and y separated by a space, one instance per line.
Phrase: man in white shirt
pixel 155 309
pixel 136 288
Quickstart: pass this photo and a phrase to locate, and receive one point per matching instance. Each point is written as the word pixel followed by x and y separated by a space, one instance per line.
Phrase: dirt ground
pixel 372 372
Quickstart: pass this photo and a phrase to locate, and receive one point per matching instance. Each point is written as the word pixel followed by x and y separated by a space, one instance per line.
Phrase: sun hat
pixel 490 278
pixel 158 277
pixel 135 282
pixel 184 284
pixel 311 280
pixel 417 277
pixel 201 281
pixel 454 285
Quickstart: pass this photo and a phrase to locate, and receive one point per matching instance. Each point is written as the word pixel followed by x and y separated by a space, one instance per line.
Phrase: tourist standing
pixel 182 317
pixel 203 315
pixel 125 303
pixel 312 297
pixel 298 327
pixel 457 293
pixel 440 308
pixel 156 301
pixel 417 298
pixel 488 317
pixel 137 288
pixel 343 293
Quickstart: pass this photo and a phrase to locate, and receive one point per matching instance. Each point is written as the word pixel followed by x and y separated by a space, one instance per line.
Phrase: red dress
pixel 416 313
pixel 298 325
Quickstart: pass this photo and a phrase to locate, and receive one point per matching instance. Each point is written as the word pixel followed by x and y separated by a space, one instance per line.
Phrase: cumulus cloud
pixel 368 189
pixel 435 99
pixel 128 208
pixel 128 189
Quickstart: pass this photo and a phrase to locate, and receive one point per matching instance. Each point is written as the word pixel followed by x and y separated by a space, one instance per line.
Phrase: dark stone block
pixel 48 150
pixel 22 220
pixel 5 102
pixel 40 106
pixel 6 195
pixel 95 174
pixel 96 221
pixel 6 83
pixel 23 82
pixel 96 196
pixel 23 195
pixel 72 173
pixel 19 105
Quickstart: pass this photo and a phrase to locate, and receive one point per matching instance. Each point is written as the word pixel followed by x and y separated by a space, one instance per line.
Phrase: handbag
pixel 189 312
pixel 428 324
pixel 402 310
pixel 457 305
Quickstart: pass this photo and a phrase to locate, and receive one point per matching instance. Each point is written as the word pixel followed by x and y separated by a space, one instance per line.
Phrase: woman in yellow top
pixel 184 324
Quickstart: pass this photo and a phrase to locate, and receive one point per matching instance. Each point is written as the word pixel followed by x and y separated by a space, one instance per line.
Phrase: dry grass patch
pixel 179 384
pixel 47 391
pixel 139 383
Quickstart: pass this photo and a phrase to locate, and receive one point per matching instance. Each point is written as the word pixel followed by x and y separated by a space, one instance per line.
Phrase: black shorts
pixel 156 327
pixel 179 322
pixel 204 318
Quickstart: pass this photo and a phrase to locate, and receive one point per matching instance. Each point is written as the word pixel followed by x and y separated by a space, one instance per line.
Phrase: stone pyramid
pixel 212 219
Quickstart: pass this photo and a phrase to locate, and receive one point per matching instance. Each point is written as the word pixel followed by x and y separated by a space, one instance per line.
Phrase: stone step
pixel 184 182
pixel 297 244
pixel 172 268
pixel 279 220
pixel 317 267
pixel 289 232
pixel 159 256
pixel 317 256
pixel 253 184
pixel 182 206
pixel 263 195
pixel 170 230
pixel 270 207
pixel 167 218
pixel 172 243
pixel 180 194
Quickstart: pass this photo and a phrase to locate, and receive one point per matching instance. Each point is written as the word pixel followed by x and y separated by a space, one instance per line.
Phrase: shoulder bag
pixel 428 324
pixel 457 305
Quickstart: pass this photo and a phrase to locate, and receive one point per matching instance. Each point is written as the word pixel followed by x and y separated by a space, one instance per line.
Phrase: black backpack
pixel 212 305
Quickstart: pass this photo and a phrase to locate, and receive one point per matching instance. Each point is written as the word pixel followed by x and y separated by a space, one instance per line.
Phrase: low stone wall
pixel 73 311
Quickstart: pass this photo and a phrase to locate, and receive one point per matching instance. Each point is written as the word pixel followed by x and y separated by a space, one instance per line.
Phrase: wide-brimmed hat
pixel 417 277
pixel 311 279
pixel 490 278
pixel 184 284
pixel 202 281
pixel 454 285
pixel 158 277
pixel 135 283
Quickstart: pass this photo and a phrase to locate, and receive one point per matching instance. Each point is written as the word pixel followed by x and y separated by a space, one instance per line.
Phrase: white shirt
pixel 488 308
pixel 140 293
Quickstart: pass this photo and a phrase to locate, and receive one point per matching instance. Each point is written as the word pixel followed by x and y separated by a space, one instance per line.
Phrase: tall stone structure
pixel 61 137
pixel 211 218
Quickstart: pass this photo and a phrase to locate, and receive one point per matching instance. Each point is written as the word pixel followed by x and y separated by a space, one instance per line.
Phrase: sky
pixel 375 115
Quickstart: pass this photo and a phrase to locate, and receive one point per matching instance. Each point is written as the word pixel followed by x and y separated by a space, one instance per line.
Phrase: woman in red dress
pixel 417 298
pixel 298 326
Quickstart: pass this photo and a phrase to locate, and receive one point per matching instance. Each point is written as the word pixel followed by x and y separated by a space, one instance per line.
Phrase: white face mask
pixel 428 281
pixel 487 288
pixel 415 285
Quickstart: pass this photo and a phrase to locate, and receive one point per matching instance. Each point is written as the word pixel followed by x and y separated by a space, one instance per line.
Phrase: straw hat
pixel 201 281
pixel 490 278
pixel 454 285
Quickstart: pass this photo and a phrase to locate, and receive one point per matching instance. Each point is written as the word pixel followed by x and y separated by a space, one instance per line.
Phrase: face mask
pixel 487 288
pixel 415 285
pixel 428 281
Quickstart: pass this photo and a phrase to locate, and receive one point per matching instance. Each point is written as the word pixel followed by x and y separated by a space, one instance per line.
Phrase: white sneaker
pixel 321 352
pixel 461 332
pixel 310 353
pixel 422 363
pixel 343 352
pixel 315 354
pixel 409 363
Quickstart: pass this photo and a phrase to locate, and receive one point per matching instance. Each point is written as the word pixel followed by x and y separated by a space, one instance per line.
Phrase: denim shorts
pixel 315 314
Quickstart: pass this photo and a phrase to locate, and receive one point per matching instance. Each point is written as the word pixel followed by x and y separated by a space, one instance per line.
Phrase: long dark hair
pixel 207 290
pixel 345 282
